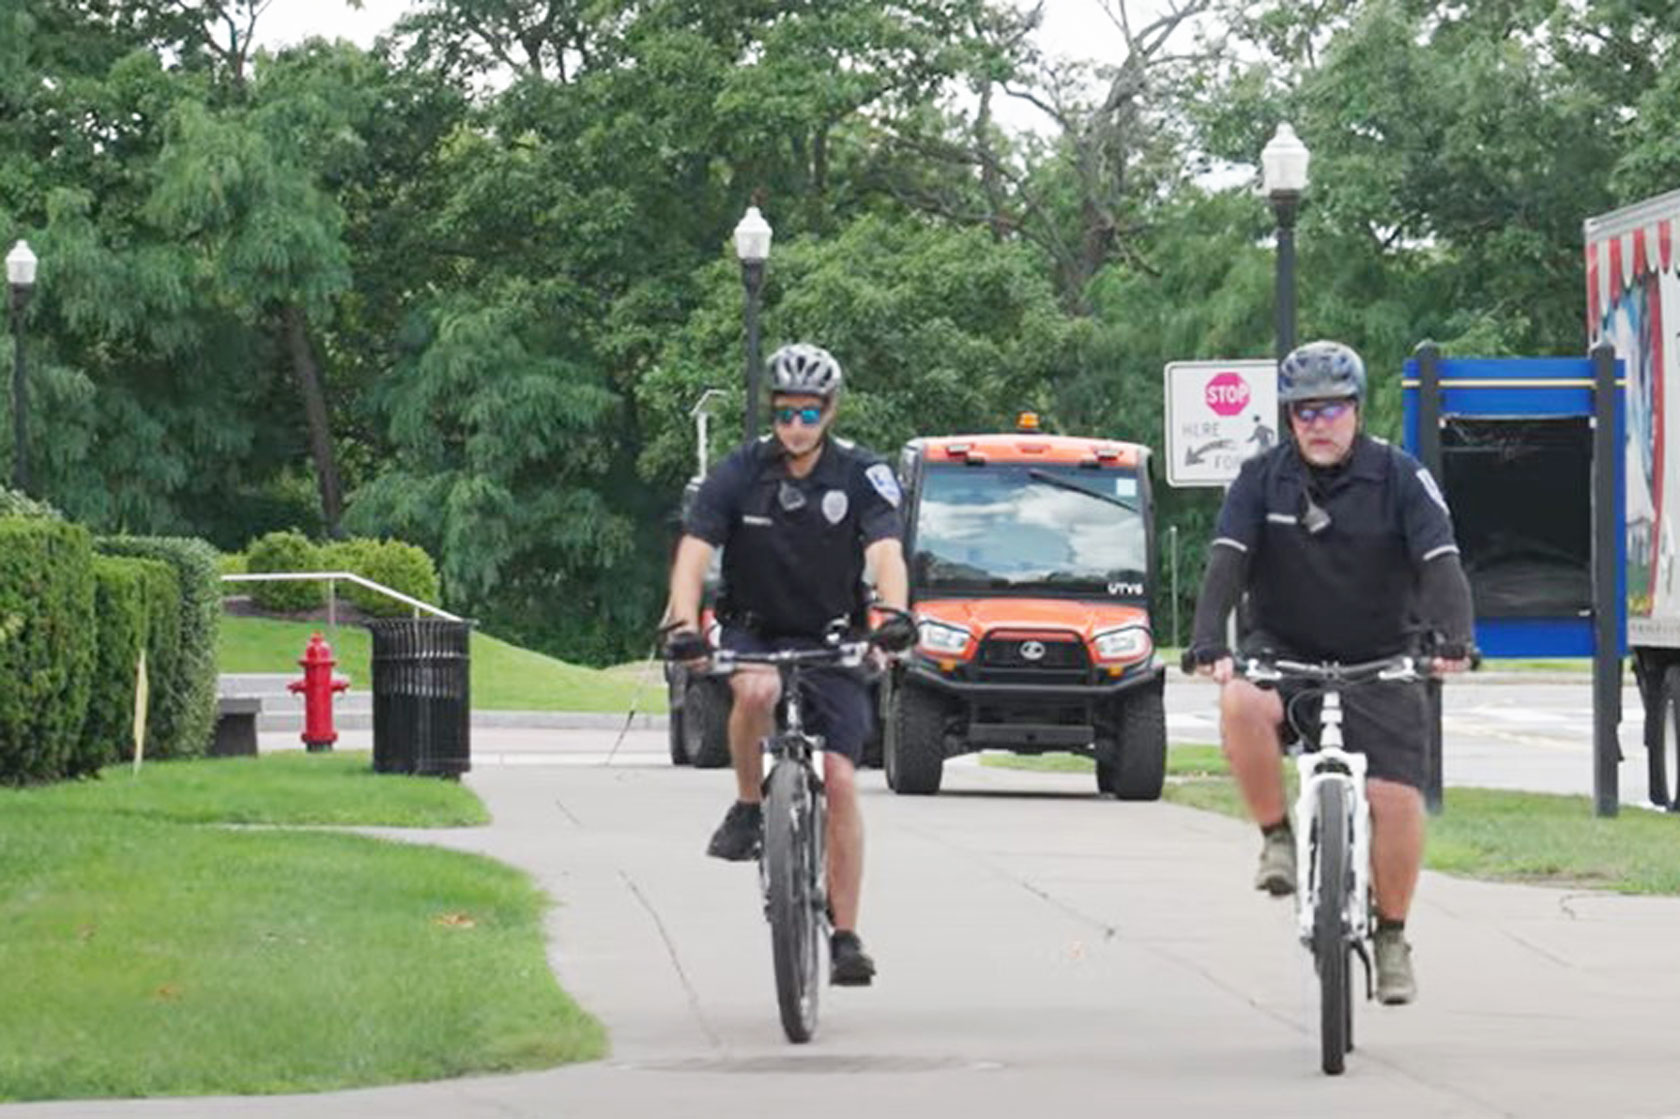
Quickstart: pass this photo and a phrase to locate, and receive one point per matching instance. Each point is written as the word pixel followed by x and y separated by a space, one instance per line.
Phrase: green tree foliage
pixel 938 331
pixel 463 288
pixel 1456 150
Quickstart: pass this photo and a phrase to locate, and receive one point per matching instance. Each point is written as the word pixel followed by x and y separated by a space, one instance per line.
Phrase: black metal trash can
pixel 422 704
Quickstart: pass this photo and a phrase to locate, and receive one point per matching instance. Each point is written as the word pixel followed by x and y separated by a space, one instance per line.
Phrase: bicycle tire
pixel 791 845
pixel 1331 950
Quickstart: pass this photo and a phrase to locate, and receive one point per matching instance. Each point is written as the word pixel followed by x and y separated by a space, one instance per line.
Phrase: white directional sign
pixel 1218 413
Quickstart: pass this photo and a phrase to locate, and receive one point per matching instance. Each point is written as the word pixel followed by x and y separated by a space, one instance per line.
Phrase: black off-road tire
pixel 676 683
pixel 913 745
pixel 705 723
pixel 1662 740
pixel 1140 772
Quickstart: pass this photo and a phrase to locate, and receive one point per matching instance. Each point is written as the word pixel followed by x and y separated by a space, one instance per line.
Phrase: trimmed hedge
pixel 161 589
pixel 47 642
pixel 137 602
pixel 183 693
pixel 120 613
pixel 285 551
pixel 392 563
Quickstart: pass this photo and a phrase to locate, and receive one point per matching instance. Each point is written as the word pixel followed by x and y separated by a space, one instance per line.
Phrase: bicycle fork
pixel 1332 763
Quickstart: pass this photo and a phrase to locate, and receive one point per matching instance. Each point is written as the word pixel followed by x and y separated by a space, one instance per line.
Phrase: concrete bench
pixel 236 726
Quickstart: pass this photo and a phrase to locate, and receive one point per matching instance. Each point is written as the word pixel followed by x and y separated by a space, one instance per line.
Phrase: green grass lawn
pixel 1484 833
pixel 504 677
pixel 148 954
pixel 1520 837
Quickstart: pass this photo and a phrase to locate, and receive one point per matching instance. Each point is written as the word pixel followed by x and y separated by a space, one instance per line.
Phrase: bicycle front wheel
pixel 792 901
pixel 1331 950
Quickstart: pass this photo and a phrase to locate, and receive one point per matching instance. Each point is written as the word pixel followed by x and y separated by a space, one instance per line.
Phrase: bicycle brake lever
pixel 1406 670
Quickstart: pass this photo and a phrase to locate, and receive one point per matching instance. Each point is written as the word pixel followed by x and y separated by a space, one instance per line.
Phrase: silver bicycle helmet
pixel 1321 371
pixel 807 370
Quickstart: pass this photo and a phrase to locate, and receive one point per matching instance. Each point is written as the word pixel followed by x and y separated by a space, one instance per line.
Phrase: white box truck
pixel 1633 302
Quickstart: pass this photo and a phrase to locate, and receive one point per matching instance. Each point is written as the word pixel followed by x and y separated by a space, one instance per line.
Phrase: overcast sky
pixel 1072 28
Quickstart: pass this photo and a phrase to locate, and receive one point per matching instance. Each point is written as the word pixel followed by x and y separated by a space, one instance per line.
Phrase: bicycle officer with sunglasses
pixel 1344 546
pixel 799 514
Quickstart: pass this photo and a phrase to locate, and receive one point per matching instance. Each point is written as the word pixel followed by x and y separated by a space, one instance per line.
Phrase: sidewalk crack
pixel 676 962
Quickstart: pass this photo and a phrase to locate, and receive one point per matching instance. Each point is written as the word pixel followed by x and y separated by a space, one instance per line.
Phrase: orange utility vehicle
pixel 1030 557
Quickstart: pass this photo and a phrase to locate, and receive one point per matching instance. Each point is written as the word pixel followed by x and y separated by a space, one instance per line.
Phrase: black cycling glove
pixel 687 645
pixel 896 634
pixel 1197 655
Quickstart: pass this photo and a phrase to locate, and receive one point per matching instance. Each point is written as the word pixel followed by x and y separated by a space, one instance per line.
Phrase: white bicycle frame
pixel 1315 769
pixel 1330 762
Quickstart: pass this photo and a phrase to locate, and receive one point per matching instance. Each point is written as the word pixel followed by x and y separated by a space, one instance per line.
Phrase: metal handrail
pixel 331 578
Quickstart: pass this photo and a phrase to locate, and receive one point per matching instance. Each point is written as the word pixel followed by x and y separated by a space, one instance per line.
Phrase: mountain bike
pixel 1332 821
pixel 792 862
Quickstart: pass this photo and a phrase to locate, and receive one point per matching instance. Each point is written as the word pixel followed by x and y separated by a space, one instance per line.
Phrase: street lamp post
pixel 20 276
pixel 1284 174
pixel 752 247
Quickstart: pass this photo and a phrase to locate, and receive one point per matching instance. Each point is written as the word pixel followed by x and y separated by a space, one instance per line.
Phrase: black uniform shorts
pixel 836 700
pixel 1386 720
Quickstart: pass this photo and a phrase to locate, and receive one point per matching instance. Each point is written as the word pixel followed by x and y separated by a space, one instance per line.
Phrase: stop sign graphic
pixel 1227 393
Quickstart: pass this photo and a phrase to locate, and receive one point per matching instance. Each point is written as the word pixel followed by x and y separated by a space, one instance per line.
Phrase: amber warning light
pixel 1026 421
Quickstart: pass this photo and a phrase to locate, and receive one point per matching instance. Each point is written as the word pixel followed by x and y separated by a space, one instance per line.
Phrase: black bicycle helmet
pixel 1321 371
pixel 806 370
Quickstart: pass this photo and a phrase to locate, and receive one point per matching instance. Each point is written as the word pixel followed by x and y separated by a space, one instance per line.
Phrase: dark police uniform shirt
pixel 793 547
pixel 1347 592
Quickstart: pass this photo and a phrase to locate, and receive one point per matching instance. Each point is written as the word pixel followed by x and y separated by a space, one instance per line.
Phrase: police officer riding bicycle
pixel 799 515
pixel 1345 548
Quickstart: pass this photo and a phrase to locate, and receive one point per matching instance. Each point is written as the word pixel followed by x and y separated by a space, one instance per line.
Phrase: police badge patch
pixel 881 477
pixel 834 506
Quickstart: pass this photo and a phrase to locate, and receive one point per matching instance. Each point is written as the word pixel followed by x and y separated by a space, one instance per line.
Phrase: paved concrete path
pixel 1042 951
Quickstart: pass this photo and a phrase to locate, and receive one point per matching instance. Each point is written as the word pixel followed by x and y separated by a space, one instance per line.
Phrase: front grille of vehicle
pixel 1011 659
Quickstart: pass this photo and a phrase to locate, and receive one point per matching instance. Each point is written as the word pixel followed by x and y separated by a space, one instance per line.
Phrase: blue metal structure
pixel 1529 389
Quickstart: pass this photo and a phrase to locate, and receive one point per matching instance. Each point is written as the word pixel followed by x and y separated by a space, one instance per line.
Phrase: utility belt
pixel 760 628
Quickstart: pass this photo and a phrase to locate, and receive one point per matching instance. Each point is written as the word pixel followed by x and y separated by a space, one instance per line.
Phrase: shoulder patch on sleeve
pixel 881 477
pixel 1434 491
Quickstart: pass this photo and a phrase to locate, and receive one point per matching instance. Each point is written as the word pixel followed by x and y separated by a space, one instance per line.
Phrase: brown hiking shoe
pixel 1277 864
pixel 1396 985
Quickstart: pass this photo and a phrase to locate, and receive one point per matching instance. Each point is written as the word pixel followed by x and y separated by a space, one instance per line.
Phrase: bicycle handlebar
pixel 837 653
pixel 1405 668
pixel 847 654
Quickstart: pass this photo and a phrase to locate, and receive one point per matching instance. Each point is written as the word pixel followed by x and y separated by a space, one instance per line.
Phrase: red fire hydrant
pixel 318 685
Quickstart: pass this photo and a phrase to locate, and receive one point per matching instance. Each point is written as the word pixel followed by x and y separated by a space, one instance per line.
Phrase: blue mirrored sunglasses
pixel 810 416
pixel 1326 410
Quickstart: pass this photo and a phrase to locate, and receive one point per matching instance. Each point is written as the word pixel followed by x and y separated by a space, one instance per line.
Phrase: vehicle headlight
pixel 1128 643
pixel 938 637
